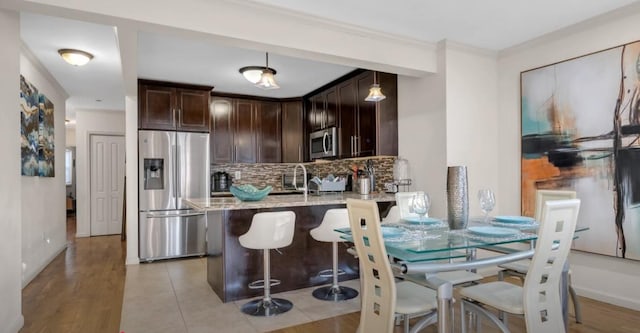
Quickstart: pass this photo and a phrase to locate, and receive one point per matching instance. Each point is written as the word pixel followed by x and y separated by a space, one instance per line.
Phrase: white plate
pixel 418 220
pixel 493 231
pixel 391 231
pixel 515 219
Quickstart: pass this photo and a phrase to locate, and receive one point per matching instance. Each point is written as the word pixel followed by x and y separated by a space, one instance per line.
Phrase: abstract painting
pixel 36 132
pixel 580 131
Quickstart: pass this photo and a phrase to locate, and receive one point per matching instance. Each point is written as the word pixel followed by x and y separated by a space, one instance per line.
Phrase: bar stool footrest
pixel 327 273
pixel 259 284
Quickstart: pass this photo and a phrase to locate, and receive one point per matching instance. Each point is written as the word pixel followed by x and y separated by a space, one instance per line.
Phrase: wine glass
pixel 420 205
pixel 487 201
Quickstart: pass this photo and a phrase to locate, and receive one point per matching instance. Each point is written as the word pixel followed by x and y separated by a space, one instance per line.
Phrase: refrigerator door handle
pixel 178 173
pixel 160 216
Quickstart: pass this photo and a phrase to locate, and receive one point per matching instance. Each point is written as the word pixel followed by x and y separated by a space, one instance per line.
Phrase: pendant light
pixel 375 92
pixel 261 76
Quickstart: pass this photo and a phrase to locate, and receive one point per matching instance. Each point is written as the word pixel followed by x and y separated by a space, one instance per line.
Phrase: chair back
pixel 542 305
pixel 393 216
pixel 543 196
pixel 377 281
pixel 269 230
pixel 333 219
pixel 403 201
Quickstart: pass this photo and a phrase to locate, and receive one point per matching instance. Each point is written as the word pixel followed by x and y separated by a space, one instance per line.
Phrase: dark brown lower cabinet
pixel 231 267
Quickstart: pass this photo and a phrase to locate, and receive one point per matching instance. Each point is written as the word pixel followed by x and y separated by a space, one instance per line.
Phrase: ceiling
pixel 487 24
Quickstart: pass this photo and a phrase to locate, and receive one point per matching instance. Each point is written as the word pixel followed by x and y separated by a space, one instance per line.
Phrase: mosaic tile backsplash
pixel 263 174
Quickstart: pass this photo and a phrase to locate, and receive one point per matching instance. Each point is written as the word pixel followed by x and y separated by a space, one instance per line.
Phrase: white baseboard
pixel 132 261
pixel 16 325
pixel 27 278
pixel 597 295
pixel 618 300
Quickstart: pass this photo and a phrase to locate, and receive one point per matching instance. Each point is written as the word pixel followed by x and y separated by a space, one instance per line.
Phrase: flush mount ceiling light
pixel 260 76
pixel 375 92
pixel 75 57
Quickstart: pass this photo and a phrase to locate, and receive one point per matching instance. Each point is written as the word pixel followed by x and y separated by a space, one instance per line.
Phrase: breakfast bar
pixel 230 267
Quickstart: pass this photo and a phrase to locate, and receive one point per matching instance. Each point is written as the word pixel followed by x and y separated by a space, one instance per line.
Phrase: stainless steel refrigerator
pixel 172 166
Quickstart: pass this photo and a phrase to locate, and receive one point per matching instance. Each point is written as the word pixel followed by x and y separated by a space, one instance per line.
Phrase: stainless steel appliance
pixel 221 181
pixel 323 143
pixel 287 181
pixel 172 166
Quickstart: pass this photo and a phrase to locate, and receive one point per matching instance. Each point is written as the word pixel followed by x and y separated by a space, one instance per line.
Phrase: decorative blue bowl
pixel 249 192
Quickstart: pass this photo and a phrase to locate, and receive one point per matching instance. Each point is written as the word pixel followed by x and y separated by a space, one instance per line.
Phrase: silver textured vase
pixel 457 197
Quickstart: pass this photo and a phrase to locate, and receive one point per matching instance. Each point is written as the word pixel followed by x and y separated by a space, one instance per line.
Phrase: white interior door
pixel 107 184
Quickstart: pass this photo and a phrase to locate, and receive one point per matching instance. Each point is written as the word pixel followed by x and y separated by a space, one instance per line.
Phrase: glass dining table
pixel 427 246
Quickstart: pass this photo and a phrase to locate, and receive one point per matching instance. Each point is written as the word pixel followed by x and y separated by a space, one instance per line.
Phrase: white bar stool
pixel 333 218
pixel 270 230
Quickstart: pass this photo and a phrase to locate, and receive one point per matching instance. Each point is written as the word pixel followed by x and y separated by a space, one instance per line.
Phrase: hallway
pixel 80 290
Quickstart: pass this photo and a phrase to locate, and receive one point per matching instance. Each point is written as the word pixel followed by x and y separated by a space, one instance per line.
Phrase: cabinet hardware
pixel 299 153
pixel 325 139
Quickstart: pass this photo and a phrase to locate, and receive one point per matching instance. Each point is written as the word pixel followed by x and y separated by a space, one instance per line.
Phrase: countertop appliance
pixel 323 143
pixel 287 181
pixel 172 166
pixel 221 181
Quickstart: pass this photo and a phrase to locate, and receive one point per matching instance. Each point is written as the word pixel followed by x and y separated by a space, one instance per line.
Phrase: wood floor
pixel 597 317
pixel 82 291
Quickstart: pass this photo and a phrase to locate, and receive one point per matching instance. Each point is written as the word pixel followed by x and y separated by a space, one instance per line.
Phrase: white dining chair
pixel 393 216
pixel 519 268
pixel 383 298
pixel 538 300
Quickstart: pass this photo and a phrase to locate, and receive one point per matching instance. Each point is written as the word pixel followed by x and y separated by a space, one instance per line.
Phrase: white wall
pixel 422 132
pixel 44 227
pixel 600 277
pixel 87 123
pixel 472 118
pixel 71 137
pixel 11 319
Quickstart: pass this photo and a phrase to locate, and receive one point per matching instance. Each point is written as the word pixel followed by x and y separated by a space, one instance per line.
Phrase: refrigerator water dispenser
pixel 153 173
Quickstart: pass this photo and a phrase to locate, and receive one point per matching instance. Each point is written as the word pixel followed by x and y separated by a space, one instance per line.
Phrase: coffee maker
pixel 221 181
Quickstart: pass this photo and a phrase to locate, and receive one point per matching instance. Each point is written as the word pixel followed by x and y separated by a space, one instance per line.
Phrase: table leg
pixel 444 290
pixel 445 298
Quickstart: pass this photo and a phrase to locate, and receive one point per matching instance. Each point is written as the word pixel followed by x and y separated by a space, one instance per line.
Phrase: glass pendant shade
pixel 75 57
pixel 261 76
pixel 254 73
pixel 375 94
pixel 267 81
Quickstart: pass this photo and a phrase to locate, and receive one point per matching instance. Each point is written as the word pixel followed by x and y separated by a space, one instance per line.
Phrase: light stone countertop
pixel 290 200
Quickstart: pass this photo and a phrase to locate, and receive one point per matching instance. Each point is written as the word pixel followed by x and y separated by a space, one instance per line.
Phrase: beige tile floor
pixel 173 296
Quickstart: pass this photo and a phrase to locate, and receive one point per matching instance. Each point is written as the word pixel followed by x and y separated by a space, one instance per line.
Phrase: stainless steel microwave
pixel 323 143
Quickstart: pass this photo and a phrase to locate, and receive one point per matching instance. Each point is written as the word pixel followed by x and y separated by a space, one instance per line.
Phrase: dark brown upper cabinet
pixel 221 138
pixel 364 128
pixel 324 110
pixel 293 143
pixel 171 106
pixel 245 130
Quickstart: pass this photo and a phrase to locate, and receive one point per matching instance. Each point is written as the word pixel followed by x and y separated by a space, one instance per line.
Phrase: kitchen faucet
pixel 304 175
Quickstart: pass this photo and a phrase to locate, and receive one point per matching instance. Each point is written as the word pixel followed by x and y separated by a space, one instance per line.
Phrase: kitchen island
pixel 231 267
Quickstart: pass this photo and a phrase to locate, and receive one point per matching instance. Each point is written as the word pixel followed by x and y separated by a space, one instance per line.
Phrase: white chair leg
pixel 405 318
pixel 482 312
pixel 463 318
pixel 577 309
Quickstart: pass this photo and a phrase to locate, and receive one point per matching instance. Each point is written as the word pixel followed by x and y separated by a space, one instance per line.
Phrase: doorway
pixel 107 172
